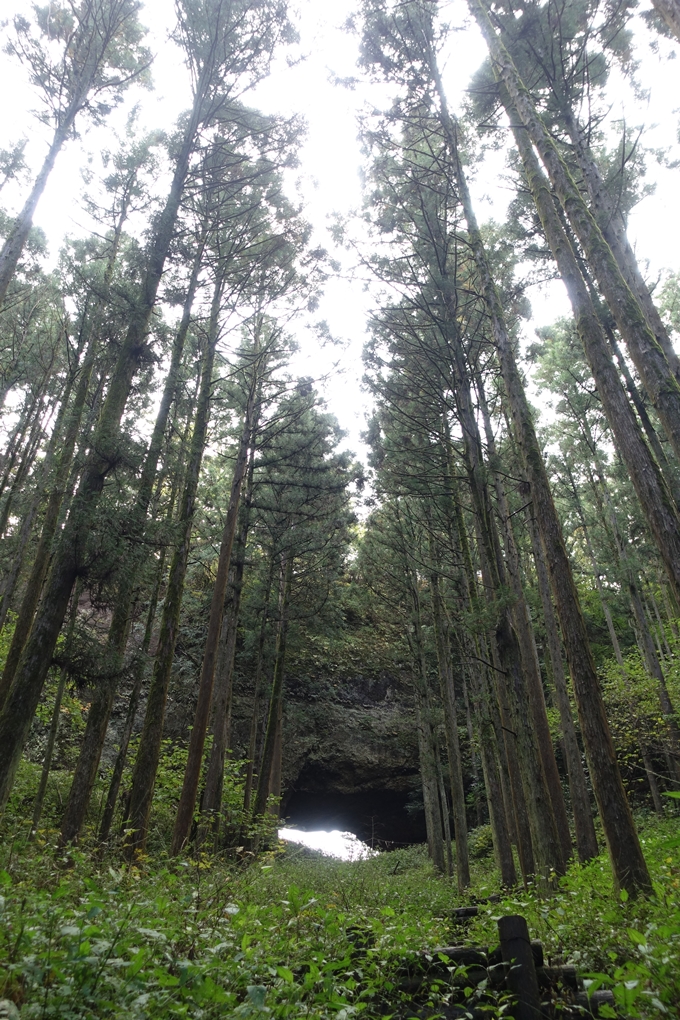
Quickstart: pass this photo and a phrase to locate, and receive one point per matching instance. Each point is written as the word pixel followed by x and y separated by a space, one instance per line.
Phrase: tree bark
pixel 211 801
pixel 264 778
pixel 525 631
pixel 510 680
pixel 670 12
pixel 148 755
pixel 653 494
pixel 54 723
pixel 16 239
pixel 58 488
pixel 257 695
pixel 586 839
pixel 139 672
pixel 192 775
pixel 448 694
pixel 648 356
pixel 19 709
pixel 102 704
pixel 630 869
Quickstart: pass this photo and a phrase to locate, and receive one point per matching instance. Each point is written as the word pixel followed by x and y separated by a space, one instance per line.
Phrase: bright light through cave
pixel 344 845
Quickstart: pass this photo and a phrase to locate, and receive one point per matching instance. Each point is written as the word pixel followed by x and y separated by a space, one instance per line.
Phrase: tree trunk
pixel 653 494
pixel 211 801
pixel 525 631
pixel 264 778
pixel 448 694
pixel 25 464
pixel 19 709
pixel 102 703
pixel 649 358
pixel 148 755
pixel 446 824
pixel 192 775
pixel 16 239
pixel 630 869
pixel 58 488
pixel 586 839
pixel 54 723
pixel 651 779
pixel 488 748
pixel 612 224
pixel 139 673
pixel 46 470
pixel 257 695
pixel 670 12
pixel 493 753
pixel 510 681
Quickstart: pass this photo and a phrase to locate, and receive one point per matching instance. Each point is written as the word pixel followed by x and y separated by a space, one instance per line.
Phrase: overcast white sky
pixel 330 159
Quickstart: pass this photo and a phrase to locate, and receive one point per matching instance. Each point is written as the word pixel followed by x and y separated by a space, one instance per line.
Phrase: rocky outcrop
pixel 350 757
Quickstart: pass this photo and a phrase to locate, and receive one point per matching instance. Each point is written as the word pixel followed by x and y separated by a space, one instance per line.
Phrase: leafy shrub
pixel 480 842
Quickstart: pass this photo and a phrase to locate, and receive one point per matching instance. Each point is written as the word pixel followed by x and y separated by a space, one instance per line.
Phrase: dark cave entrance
pixel 384 819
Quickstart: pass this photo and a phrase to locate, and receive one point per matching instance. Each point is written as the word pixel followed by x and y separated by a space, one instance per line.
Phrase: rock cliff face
pixel 350 758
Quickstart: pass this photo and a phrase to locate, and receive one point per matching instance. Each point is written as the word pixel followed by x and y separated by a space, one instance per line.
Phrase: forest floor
pixel 291 933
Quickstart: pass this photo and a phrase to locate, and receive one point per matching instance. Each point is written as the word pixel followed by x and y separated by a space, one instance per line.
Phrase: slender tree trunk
pixel 473 753
pixel 187 801
pixel 139 673
pixel 586 839
pixel 651 779
pixel 12 576
pixel 513 691
pixel 428 776
pixel 22 700
pixel 276 777
pixel 649 358
pixel 46 472
pixel 630 869
pixel 14 244
pixel 17 436
pixel 257 695
pixel 525 631
pixel 148 755
pixel 264 778
pixel 54 723
pixel 25 464
pixel 502 844
pixel 493 753
pixel 448 694
pixel 653 667
pixel 222 696
pixel 102 704
pixel 446 824
pixel 597 573
pixel 517 809
pixel 653 494
pixel 612 224
pixel 41 561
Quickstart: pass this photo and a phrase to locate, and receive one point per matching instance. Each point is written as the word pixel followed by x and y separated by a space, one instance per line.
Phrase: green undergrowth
pixel 294 934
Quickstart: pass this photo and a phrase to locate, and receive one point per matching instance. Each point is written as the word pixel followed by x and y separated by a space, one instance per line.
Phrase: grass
pixel 294 934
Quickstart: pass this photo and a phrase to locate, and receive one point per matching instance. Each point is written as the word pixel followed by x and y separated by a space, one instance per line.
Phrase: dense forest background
pixel 181 519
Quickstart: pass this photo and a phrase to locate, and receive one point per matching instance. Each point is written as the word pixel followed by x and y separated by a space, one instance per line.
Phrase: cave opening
pixel 383 819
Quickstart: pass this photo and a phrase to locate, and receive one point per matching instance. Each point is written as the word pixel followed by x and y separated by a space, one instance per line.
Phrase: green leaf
pixel 286 974
pixel 636 937
pixel 257 994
